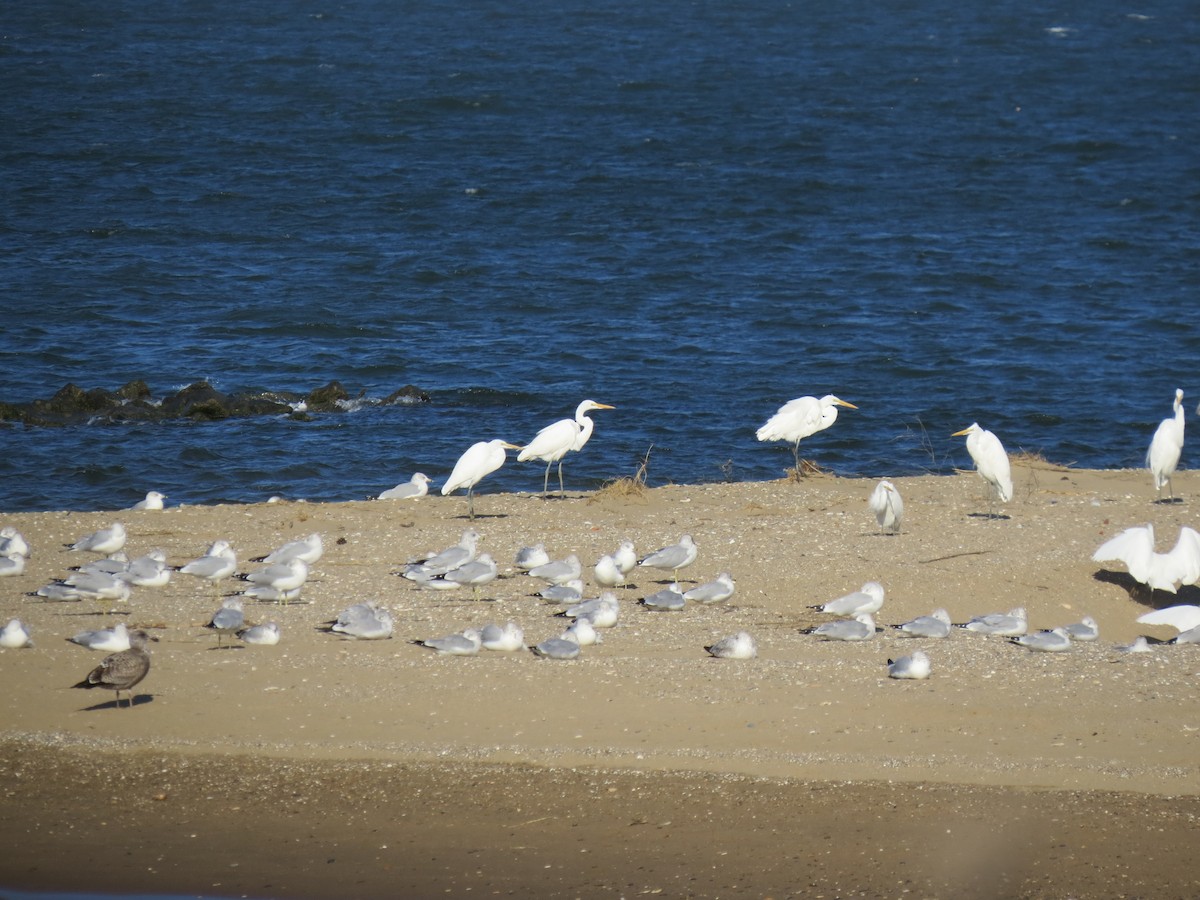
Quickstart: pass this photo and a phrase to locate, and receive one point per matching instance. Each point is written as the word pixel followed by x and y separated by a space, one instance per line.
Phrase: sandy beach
pixel 324 767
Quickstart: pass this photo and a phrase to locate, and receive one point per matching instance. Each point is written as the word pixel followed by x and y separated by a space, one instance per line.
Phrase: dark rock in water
pixel 133 402
pixel 406 395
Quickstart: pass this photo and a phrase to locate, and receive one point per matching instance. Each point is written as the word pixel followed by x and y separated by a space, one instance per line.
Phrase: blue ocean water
pixel 694 211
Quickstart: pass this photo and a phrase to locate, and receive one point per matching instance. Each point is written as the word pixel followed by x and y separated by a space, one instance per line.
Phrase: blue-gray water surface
pixel 694 211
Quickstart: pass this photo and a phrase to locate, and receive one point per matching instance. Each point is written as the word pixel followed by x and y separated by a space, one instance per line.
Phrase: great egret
pixel 1158 571
pixel 556 440
pixel 737 646
pixel 1166 447
pixel 799 418
pixel 888 506
pixel 1184 617
pixel 991 462
pixel 479 460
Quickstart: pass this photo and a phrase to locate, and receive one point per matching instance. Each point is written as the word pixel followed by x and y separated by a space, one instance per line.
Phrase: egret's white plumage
pixel 887 505
pixel 1166 447
pixel 800 418
pixel 480 459
pixel 991 462
pixel 559 438
pixel 413 489
pixel 1182 618
pixel 1158 571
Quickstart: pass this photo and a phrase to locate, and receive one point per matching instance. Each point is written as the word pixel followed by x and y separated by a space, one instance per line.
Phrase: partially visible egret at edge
pixel 480 460
pixel 559 438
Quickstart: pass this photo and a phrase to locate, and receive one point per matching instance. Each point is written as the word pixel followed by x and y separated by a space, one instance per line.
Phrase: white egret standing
pixel 887 505
pixel 799 418
pixel 481 459
pixel 1166 448
pixel 991 462
pixel 556 440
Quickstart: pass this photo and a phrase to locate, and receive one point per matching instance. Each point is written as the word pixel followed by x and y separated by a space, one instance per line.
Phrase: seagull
pixel 1166 447
pixel 217 563
pixel 267 634
pixel 603 611
pixel 1010 624
pixel 669 599
pixel 479 571
pixel 12 542
pixel 625 556
pixel 914 666
pixel 479 460
pixel 991 462
pixel 556 648
pixel 153 500
pixel 121 671
pixel 607 573
pixel 672 558
pixel 934 625
pixel 532 557
pixel 364 622
pixel 1055 640
pixel 308 549
pixel 108 640
pixel 98 586
pixel 713 592
pixel 413 489
pixel 150 570
pixel 887 505
pixel 450 558
pixel 801 418
pixel 12 563
pixel 504 639
pixel 736 646
pixel 582 632
pixel 558 439
pixel 1086 629
pixel 559 571
pixel 465 643
pixel 1139 645
pixel 867 599
pixel 282 576
pixel 228 619
pixel 15 635
pixel 563 593
pixel 105 541
pixel 860 628
pixel 264 593
pixel 1158 571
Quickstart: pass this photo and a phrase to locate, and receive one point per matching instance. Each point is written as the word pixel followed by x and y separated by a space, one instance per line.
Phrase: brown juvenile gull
pixel 121 671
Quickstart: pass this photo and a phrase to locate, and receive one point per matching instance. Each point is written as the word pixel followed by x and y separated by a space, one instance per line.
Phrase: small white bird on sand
pixel 266 634
pixel 559 571
pixel 867 599
pixel 736 646
pixel 107 640
pixel 1056 640
pixel 717 591
pixel 915 666
pixel 556 648
pixel 607 573
pixel 465 643
pixel 603 611
pixel 12 542
pixel 413 489
pixel 504 639
pixel 15 635
pixel 308 549
pixel 363 622
pixel 531 557
pixel 218 562
pixel 12 564
pixel 888 506
pixel 1086 629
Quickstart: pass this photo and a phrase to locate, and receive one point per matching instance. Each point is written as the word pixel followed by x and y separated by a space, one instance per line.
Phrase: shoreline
pixel 648 705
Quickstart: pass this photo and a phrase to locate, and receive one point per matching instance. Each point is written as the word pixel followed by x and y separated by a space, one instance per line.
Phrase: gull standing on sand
pixel 281 576
pixel 558 439
pixel 800 418
pixel 446 560
pixel 736 646
pixel 1158 571
pixel 15 635
pixel 887 506
pixel 934 625
pixel 860 628
pixel 673 558
pixel 991 462
pixel 413 489
pixel 867 599
pixel 1013 623
pixel 480 460
pixel 267 634
pixel 228 619
pixel 218 563
pixel 121 671
pixel 625 556
pixel 153 500
pixel 915 666
pixel 1166 447
pixel 717 591
pixel 105 541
